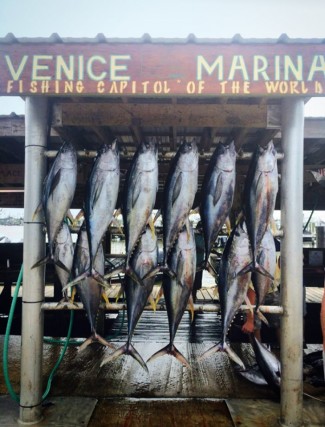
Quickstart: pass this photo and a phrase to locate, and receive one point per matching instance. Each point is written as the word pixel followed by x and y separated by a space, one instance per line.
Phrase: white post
pixel 292 173
pixel 36 117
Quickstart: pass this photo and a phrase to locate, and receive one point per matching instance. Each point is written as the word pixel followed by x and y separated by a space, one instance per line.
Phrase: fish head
pixel 108 156
pixel 188 155
pixel 67 156
pixel 149 145
pixel 226 156
pixel 266 158
pixel 147 155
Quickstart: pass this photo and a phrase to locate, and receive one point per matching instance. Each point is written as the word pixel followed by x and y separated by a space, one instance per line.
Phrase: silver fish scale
pixel 59 189
pixel 179 195
pixel 102 193
pixel 141 190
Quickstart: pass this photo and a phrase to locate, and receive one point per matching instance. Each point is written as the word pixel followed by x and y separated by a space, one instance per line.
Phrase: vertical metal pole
pixel 291 262
pixel 36 116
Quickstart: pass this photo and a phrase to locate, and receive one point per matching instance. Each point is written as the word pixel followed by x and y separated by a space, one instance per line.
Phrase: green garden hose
pixel 6 345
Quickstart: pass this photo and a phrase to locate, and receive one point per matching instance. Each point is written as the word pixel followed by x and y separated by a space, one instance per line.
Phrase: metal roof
pixel 10 38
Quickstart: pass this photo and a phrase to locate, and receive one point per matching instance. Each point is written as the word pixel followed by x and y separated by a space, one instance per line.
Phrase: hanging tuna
pixel 139 198
pixel 261 187
pixel 100 202
pixel 232 287
pixel 63 252
pixel 143 260
pixel 217 194
pixel 177 291
pixel 89 290
pixel 58 192
pixel 179 193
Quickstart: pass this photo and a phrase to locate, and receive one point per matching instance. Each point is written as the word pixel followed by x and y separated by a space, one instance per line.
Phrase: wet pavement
pixel 169 394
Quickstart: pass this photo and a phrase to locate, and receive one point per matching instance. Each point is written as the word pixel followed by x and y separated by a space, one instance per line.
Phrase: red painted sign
pixel 162 69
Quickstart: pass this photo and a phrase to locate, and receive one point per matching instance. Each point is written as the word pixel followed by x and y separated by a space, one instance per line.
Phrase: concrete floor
pixel 122 393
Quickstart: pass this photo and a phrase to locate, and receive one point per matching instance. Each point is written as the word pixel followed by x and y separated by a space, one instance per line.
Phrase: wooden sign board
pixel 162 69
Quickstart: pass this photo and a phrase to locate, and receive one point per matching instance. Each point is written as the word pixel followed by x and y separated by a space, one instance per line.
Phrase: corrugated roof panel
pixel 146 38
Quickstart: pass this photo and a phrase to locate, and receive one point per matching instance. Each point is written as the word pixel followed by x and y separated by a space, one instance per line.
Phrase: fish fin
pixel 134 276
pixel 211 270
pixel 152 227
pixel 233 356
pixel 159 295
pixel 249 304
pixel 177 187
pixel 158 213
pixel 96 193
pixel 120 293
pixel 188 230
pixel 101 340
pixel 62 266
pixel 85 344
pixel 76 280
pixel 152 273
pixel 55 181
pixel 105 298
pixel 114 272
pixel 126 349
pixel 94 337
pixel 228 225
pixel 261 316
pixel 255 267
pixel 172 351
pixel 218 189
pixel 240 217
pixel 191 305
pixel 224 348
pixel 42 261
pixel 37 211
pixel 195 211
pixel 152 302
pixel 274 228
pixel 249 267
pixel 117 212
pixel 214 349
pixel 99 279
pixel 137 189
pixel 73 294
pixel 69 217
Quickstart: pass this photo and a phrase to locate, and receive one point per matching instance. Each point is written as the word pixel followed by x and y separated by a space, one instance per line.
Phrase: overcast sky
pixel 167 18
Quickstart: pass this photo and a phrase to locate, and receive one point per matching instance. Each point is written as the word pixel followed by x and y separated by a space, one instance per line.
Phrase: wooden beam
pixel 172 138
pixel 199 115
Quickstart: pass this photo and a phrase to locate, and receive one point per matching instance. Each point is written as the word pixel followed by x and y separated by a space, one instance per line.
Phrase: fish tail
pixel 42 261
pixel 224 347
pixel 152 273
pixel 99 278
pixel 114 272
pixel 172 351
pixel 167 270
pixel 126 349
pixel 256 267
pixel 214 349
pixel 61 265
pixel 233 356
pixel 94 337
pixel 261 316
pixel 211 269
pixel 133 275
pixel 78 279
